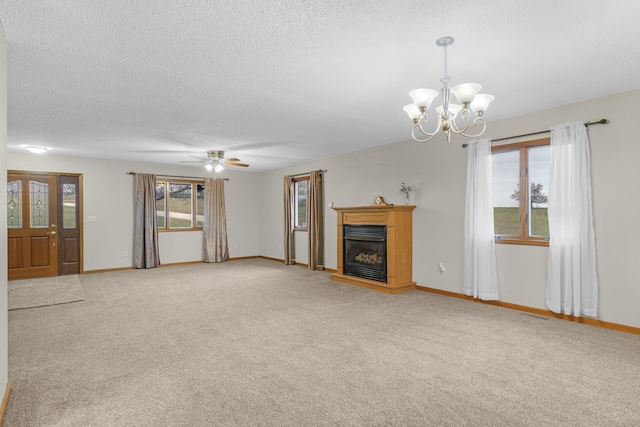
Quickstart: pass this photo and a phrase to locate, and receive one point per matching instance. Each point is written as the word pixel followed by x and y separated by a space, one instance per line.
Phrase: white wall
pixel 438 170
pixel 301 247
pixel 4 325
pixel 108 193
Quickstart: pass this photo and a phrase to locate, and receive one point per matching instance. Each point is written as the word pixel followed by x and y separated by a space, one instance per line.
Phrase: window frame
pixel 295 203
pixel 523 148
pixel 194 204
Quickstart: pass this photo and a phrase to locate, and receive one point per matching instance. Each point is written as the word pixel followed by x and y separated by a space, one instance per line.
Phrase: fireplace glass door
pixel 365 251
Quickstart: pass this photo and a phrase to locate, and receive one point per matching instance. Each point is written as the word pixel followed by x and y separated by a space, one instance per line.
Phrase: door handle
pixel 53 233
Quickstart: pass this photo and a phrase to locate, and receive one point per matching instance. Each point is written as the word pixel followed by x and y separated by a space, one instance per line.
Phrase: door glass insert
pixel 39 201
pixel 14 204
pixel 69 206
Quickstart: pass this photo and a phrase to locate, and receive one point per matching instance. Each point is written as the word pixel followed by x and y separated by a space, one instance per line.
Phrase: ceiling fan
pixel 215 161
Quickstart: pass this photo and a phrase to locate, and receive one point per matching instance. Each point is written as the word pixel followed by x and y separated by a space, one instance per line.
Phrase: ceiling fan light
pixel 465 92
pixel 209 166
pixel 37 149
pixel 218 167
pixel 423 97
pixel 481 102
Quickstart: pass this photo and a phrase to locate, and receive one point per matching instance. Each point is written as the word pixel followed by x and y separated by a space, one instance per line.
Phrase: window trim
pixel 194 204
pixel 522 147
pixel 295 203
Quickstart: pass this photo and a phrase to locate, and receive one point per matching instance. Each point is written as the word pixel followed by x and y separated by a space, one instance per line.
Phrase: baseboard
pixel 271 259
pixel 244 257
pixel 173 264
pixel 5 402
pixel 107 270
pixel 299 264
pixel 539 311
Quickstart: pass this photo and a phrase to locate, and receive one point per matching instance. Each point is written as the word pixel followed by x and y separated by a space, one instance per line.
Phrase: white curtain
pixel 215 247
pixel 572 287
pixel 480 277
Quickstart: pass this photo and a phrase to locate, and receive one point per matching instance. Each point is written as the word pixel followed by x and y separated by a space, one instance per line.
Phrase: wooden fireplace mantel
pixel 398 220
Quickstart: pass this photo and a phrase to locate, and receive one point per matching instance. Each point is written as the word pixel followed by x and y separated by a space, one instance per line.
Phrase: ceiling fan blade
pixel 233 160
pixel 201 158
pixel 193 161
pixel 242 165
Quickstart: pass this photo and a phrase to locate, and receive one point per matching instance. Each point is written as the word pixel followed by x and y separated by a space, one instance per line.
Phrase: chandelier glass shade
pixel 464 118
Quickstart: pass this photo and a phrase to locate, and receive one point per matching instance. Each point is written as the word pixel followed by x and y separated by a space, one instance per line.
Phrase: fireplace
pixel 365 251
pixel 374 247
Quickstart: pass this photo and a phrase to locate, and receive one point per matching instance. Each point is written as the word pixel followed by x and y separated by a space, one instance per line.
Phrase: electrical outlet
pixel 125 253
pixel 442 268
pixel 92 219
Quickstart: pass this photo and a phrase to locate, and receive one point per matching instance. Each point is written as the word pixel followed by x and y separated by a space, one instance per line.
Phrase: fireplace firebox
pixel 365 251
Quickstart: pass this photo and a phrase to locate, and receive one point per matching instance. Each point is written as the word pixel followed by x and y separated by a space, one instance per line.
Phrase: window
pixel 199 205
pixel 301 189
pixel 520 217
pixel 180 205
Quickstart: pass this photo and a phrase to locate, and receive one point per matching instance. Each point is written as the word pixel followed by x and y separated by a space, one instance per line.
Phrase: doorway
pixel 44 224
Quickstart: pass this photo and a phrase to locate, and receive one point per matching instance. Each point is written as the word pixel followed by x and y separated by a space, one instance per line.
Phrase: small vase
pixel 406 198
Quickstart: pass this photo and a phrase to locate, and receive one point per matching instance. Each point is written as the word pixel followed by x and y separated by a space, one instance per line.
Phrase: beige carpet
pixel 257 343
pixel 31 293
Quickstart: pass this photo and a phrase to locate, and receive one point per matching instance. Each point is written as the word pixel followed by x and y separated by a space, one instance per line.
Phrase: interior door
pixel 32 225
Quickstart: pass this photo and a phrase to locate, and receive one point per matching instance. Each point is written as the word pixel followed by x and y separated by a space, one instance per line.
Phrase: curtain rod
pixel 180 177
pixel 307 173
pixel 598 122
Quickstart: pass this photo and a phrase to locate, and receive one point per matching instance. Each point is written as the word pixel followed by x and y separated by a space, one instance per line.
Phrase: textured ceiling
pixel 282 82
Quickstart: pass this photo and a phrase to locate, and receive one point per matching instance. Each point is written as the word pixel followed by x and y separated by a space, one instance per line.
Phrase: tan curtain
pixel 316 222
pixel 214 231
pixel 145 245
pixel 289 252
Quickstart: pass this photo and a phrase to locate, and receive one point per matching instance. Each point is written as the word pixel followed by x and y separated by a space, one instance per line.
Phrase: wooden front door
pixel 32 225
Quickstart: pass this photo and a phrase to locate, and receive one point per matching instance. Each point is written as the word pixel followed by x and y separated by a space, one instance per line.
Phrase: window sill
pixel 523 242
pixel 173 230
pixel 301 229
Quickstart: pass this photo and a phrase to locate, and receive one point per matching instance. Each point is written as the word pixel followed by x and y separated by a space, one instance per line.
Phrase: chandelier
pixel 454 118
